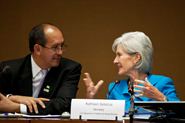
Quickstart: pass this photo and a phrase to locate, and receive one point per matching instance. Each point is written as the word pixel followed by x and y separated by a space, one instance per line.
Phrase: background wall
pixel 90 27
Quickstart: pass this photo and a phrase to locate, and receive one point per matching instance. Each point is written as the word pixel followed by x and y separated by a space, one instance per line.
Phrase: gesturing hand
pixel 148 90
pixel 31 102
pixel 91 89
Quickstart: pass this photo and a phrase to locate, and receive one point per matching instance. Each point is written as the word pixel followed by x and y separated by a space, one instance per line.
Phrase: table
pixel 56 120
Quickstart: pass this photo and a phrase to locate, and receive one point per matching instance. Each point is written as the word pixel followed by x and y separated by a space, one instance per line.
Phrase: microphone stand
pixel 117 81
pixel 110 91
pixel 132 109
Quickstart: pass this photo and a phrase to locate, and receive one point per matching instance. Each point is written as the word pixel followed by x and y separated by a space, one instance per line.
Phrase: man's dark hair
pixel 37 35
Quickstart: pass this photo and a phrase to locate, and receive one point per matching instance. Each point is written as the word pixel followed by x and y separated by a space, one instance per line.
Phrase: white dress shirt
pixel 37 83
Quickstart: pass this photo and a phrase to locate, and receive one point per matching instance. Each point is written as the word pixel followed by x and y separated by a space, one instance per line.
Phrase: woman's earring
pixel 134 65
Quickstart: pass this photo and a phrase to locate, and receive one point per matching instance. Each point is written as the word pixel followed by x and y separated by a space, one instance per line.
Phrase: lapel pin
pixel 47 88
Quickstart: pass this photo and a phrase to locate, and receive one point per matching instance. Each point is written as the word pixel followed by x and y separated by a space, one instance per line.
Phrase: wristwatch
pixel 165 99
pixel 8 95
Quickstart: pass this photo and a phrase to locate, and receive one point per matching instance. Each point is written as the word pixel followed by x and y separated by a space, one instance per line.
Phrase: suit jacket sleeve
pixel 167 87
pixel 66 89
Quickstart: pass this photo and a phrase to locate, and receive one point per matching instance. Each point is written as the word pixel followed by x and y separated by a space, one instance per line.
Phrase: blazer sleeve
pixel 167 87
pixel 66 91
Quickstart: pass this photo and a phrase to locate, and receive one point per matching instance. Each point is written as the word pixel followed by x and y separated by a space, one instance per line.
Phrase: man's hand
pixel 91 89
pixel 7 106
pixel 31 102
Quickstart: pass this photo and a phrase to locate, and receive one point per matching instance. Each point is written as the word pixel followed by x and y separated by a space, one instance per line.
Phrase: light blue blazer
pixel 163 84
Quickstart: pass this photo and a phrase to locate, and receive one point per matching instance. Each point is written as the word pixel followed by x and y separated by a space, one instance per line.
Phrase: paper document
pixel 27 116
pixel 141 114
pixel 10 115
pixel 41 116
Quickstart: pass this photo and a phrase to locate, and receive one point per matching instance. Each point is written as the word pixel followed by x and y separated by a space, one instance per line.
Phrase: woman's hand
pixel 91 89
pixel 148 90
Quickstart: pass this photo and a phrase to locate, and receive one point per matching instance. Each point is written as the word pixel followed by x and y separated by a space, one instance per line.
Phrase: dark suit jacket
pixel 63 81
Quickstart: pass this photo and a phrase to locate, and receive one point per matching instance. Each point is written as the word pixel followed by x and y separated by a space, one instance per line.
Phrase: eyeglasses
pixel 56 49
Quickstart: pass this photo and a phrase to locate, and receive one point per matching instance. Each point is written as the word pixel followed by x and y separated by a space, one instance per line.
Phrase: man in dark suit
pixel 25 82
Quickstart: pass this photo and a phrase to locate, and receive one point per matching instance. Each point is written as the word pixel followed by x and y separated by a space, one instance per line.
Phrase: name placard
pixel 97 109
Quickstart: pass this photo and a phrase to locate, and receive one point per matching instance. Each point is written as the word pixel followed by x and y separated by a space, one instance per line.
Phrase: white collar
pixel 35 68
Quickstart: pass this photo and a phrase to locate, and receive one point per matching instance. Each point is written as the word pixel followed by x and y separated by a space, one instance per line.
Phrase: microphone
pixel 2 76
pixel 117 81
pixel 132 109
pixel 6 69
pixel 130 87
